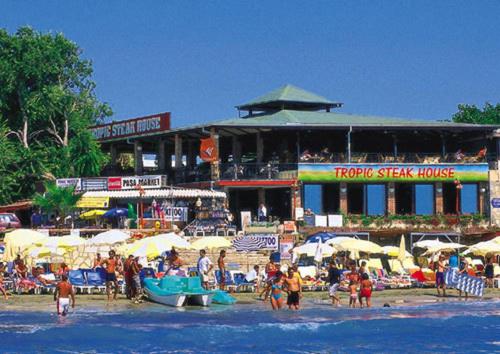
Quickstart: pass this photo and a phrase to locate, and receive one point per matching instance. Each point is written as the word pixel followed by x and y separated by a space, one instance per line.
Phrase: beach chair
pixel 78 281
pixel 241 284
pixel 95 281
pixel 229 282
pixel 49 288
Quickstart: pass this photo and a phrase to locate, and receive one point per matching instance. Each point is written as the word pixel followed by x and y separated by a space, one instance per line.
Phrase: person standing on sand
pixel 135 281
pixel 222 269
pixel 489 272
pixel 271 269
pixel 334 275
pixel 440 284
pixel 127 276
pixel 2 288
pixel 97 261
pixel 62 295
pixel 464 266
pixel 111 280
pixel 366 291
pixel 294 290
pixel 205 265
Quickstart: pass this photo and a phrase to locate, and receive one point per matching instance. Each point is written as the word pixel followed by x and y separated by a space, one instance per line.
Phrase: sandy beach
pixel 394 297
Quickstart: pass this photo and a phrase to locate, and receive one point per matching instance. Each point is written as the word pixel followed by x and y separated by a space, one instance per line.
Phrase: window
pixel 375 199
pixel 313 198
pixel 469 199
pixel 424 199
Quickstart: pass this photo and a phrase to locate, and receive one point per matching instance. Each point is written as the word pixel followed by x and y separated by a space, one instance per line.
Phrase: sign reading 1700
pixel 309 172
pixel 132 127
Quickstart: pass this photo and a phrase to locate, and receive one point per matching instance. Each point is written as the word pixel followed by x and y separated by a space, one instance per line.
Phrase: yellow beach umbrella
pixel 46 252
pixel 210 242
pixel 18 240
pixel 152 247
pixel 92 214
pixel 357 245
pixel 61 241
pixel 393 251
pixel 484 248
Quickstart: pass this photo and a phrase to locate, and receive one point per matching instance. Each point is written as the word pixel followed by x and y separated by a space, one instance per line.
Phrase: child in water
pixel 276 292
pixel 366 291
pixel 353 293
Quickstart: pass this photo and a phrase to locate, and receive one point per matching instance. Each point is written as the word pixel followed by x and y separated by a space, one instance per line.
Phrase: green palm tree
pixel 61 201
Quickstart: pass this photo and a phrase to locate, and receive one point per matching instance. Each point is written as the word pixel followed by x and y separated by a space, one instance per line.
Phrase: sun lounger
pixel 78 281
pixel 95 281
pixel 229 283
pixel 242 284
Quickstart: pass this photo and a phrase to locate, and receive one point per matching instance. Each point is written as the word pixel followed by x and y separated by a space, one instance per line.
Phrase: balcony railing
pixel 249 171
pixel 359 157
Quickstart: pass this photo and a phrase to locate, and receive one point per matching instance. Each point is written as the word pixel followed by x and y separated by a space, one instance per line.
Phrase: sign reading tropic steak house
pixel 135 127
pixel 330 172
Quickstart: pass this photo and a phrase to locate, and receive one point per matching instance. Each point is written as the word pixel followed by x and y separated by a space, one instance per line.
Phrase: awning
pixel 176 193
pixel 21 205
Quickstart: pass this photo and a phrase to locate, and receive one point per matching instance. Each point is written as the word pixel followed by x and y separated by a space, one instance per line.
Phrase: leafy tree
pixel 8 160
pixel 61 201
pixel 490 114
pixel 47 102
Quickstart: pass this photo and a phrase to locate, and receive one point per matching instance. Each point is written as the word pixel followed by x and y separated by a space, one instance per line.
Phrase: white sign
pixel 75 232
pixel 178 214
pixel 146 182
pixel 299 213
pixel 320 221
pixel 246 219
pixel 69 182
pixel 335 221
pixel 271 241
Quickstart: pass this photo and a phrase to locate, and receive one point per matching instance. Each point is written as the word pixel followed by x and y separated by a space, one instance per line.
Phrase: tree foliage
pixel 61 201
pixel 47 103
pixel 490 114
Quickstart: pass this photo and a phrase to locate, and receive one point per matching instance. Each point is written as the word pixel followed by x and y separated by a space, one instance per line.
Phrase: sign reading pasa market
pixel 310 172
pixel 135 127
pixel 133 182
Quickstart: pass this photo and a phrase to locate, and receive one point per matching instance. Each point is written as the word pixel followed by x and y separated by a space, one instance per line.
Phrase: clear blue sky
pixel 198 59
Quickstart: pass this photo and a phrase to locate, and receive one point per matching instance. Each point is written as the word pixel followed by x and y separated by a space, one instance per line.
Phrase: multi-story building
pixel 289 150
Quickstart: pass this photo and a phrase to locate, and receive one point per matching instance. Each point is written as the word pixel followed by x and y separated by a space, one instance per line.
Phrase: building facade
pixel 290 151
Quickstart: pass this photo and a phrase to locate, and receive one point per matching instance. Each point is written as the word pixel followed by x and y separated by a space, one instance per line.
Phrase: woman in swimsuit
pixel 366 291
pixel 276 292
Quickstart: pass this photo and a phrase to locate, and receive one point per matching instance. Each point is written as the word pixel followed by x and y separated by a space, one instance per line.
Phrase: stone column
pixel 114 156
pixel 214 166
pixel 138 158
pixel 178 151
pixel 438 198
pixel 161 156
pixel 343 198
pixel 236 149
pixel 260 147
pixel 391 198
pixel 482 207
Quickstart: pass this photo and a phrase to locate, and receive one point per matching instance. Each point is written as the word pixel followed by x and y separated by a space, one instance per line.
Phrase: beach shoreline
pixel 393 297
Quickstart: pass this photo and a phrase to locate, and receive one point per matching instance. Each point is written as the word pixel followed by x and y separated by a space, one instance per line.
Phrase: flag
pixel 208 150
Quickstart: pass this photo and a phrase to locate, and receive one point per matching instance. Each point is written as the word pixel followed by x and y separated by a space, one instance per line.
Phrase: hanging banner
pixel 69 182
pixel 132 128
pixel 94 184
pixel 256 242
pixel 177 213
pixel 208 150
pixel 331 172
pixel 146 182
pixel 93 202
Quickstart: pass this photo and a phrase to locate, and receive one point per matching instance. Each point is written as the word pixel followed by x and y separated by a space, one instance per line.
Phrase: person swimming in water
pixel 277 291
pixel 294 290
pixel 62 295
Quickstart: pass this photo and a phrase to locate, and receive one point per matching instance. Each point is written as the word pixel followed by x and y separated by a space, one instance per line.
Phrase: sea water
pixel 318 328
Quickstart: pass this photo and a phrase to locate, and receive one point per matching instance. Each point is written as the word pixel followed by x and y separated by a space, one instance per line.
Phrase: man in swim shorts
pixel 292 285
pixel 111 280
pixel 205 265
pixel 440 284
pixel 62 295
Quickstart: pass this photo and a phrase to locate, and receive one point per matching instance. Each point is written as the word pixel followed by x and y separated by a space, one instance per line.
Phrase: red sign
pixel 208 150
pixel 136 127
pixel 114 183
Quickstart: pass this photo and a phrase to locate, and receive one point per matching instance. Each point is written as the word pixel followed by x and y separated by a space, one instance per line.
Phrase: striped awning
pixel 176 193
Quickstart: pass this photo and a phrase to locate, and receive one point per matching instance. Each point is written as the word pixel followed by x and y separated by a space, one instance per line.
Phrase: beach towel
pixel 464 282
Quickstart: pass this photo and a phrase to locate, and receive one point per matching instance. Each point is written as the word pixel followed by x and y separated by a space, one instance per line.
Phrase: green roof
pixel 304 118
pixel 289 95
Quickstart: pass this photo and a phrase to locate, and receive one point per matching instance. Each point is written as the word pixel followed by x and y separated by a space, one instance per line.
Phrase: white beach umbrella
pixel 310 249
pixel 484 248
pixel 61 241
pixel 110 237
